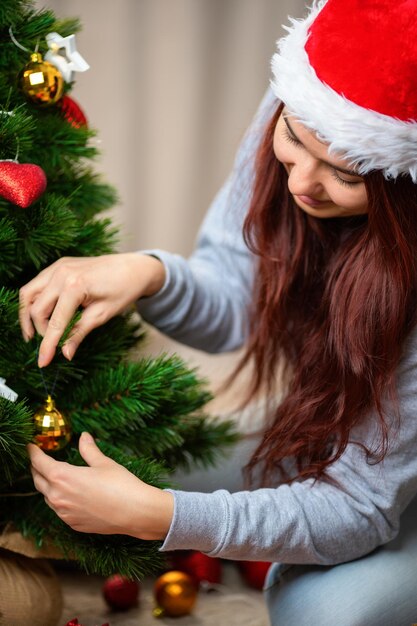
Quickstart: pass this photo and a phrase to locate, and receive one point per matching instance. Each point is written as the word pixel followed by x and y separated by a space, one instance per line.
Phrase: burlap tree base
pixel 30 592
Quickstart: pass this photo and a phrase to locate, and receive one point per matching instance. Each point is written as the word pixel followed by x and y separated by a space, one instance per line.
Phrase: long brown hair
pixel 334 299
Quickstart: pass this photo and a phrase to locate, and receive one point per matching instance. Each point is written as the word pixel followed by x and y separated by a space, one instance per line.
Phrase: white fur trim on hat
pixel 368 140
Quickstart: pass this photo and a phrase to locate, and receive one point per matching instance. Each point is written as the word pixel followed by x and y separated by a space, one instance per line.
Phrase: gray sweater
pixel 204 303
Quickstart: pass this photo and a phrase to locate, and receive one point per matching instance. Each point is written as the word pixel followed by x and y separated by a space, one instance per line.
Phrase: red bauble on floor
pixel 254 573
pixel 120 592
pixel 199 566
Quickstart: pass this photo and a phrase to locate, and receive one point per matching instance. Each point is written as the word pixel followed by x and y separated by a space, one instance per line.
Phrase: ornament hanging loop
pixel 16 159
pixel 19 45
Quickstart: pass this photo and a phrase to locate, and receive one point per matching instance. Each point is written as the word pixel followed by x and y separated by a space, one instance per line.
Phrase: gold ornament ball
pixel 175 594
pixel 52 429
pixel 41 81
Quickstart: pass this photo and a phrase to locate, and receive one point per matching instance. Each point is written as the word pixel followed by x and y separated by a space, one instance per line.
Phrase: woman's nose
pixel 304 178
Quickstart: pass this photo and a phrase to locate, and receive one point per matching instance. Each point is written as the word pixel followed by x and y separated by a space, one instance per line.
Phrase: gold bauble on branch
pixel 41 81
pixel 52 429
pixel 175 594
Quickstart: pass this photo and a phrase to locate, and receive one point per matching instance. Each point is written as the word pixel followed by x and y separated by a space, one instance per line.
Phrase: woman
pixel 323 279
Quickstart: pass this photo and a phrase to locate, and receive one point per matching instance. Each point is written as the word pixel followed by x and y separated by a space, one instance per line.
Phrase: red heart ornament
pixel 21 183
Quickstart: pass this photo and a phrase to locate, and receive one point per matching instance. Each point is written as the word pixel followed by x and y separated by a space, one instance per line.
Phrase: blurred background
pixel 172 87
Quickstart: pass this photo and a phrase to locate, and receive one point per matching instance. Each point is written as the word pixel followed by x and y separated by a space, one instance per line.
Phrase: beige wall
pixel 172 87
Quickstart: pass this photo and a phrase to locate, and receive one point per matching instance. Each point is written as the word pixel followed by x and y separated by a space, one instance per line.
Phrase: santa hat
pixel 349 72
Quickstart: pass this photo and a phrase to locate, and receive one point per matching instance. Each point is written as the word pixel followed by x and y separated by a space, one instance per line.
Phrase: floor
pixel 230 604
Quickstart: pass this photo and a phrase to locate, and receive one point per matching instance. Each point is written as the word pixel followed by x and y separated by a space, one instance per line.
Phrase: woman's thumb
pixel 89 451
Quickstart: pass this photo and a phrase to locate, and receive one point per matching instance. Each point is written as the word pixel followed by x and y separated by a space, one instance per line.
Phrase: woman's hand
pixel 102 498
pixel 104 286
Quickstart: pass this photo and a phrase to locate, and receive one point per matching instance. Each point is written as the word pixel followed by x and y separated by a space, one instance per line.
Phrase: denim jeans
pixel 379 589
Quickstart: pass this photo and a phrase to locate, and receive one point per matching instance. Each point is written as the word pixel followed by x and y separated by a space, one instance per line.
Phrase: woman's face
pixel 321 185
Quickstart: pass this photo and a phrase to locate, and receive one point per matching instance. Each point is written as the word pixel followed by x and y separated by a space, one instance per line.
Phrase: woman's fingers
pixel 53 327
pixel 93 316
pixel 41 462
pixel 37 300
pixel 40 482
pixel 41 309
pixel 45 473
pixel 49 302
pixel 25 320
pixel 27 296
pixel 104 286
pixel 41 466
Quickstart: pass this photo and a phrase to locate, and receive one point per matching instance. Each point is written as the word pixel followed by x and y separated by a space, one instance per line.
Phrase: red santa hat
pixel 349 72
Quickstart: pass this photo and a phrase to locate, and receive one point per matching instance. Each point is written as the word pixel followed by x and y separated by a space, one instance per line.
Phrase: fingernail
pixel 87 437
pixel 41 361
pixel 68 352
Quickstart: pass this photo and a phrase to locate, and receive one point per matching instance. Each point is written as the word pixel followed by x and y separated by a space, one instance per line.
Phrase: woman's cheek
pixel 355 202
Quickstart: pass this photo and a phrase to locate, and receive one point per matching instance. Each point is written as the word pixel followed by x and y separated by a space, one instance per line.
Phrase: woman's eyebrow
pixel 335 167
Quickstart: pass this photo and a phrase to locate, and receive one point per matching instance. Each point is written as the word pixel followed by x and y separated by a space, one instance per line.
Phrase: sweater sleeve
pixel 205 299
pixel 314 522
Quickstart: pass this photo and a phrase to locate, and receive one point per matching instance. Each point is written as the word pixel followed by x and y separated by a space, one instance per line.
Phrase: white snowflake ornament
pixel 6 392
pixel 69 62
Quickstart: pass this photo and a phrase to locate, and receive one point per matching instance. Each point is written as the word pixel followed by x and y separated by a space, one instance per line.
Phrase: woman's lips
pixel 310 201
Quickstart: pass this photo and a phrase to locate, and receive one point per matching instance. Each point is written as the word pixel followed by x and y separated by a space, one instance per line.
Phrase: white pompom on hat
pixel 349 72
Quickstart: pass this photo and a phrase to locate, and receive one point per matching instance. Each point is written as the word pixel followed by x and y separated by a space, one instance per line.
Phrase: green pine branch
pixel 66 145
pixel 205 440
pixel 94 238
pixel 45 231
pixel 134 395
pixel 152 408
pixel 8 241
pixel 17 128
pixel 16 431
pixel 10 9
pixel 9 312
pixel 87 193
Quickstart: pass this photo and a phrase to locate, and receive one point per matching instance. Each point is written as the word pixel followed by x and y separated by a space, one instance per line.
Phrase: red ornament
pixel 120 592
pixel 73 113
pixel 199 566
pixel 21 183
pixel 254 572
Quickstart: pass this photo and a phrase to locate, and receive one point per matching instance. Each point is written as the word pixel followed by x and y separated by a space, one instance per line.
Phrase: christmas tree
pixel 147 415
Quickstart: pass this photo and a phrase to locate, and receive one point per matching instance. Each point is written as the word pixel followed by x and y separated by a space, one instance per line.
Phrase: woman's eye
pixel 342 181
pixel 290 138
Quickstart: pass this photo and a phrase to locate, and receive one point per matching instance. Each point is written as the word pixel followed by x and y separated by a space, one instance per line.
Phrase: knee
pixel 345 595
pixel 298 598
